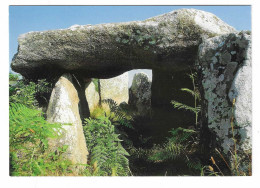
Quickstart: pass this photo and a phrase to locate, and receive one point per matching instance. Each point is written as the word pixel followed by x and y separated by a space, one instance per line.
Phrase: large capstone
pixel 140 94
pixel 225 64
pixel 64 108
pixel 167 41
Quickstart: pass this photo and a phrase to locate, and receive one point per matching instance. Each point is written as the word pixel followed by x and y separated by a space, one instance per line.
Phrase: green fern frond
pixel 105 147
pixel 180 135
pixel 29 139
pixel 30 123
pixel 179 105
pixel 188 91
pixel 121 116
pixel 194 93
pixel 112 104
pixel 196 165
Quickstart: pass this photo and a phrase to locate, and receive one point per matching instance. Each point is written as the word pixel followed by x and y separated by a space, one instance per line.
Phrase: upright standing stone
pixel 140 94
pixel 225 63
pixel 241 90
pixel 92 96
pixel 115 88
pixel 63 108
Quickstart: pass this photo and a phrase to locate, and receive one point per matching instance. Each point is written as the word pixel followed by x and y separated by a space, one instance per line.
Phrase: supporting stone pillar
pixel 115 88
pixel 92 96
pixel 225 65
pixel 64 108
pixel 140 94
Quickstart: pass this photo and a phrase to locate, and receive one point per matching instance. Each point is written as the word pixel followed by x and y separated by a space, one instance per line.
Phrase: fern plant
pixel 121 115
pixel 31 94
pixel 178 147
pixel 178 144
pixel 23 94
pixel 107 155
pixel 196 94
pixel 43 90
pixel 29 125
pixel 29 134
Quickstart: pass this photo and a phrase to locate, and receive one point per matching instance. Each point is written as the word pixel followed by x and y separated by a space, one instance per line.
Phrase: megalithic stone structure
pixel 170 43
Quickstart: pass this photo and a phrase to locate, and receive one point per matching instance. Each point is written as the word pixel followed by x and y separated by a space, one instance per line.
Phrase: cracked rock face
pixel 167 41
pixel 225 63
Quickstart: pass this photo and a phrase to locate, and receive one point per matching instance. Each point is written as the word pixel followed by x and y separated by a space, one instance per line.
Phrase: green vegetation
pixel 31 94
pixel 195 93
pixel 111 136
pixel 116 141
pixel 23 94
pixel 145 157
pixel 29 134
pixel 99 111
pixel 139 37
pixel 107 155
pixel 13 77
pixel 29 144
pixel 118 114
pixel 30 151
pixel 175 154
pixel 105 136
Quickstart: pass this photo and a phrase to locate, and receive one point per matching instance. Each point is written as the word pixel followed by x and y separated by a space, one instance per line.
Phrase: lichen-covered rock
pixel 92 96
pixel 115 88
pixel 241 90
pixel 107 50
pixel 225 63
pixel 63 108
pixel 140 94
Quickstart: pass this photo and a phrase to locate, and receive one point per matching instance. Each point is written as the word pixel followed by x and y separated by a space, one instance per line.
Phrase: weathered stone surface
pixel 241 89
pixel 167 41
pixel 140 94
pixel 225 62
pixel 63 108
pixel 115 88
pixel 92 96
